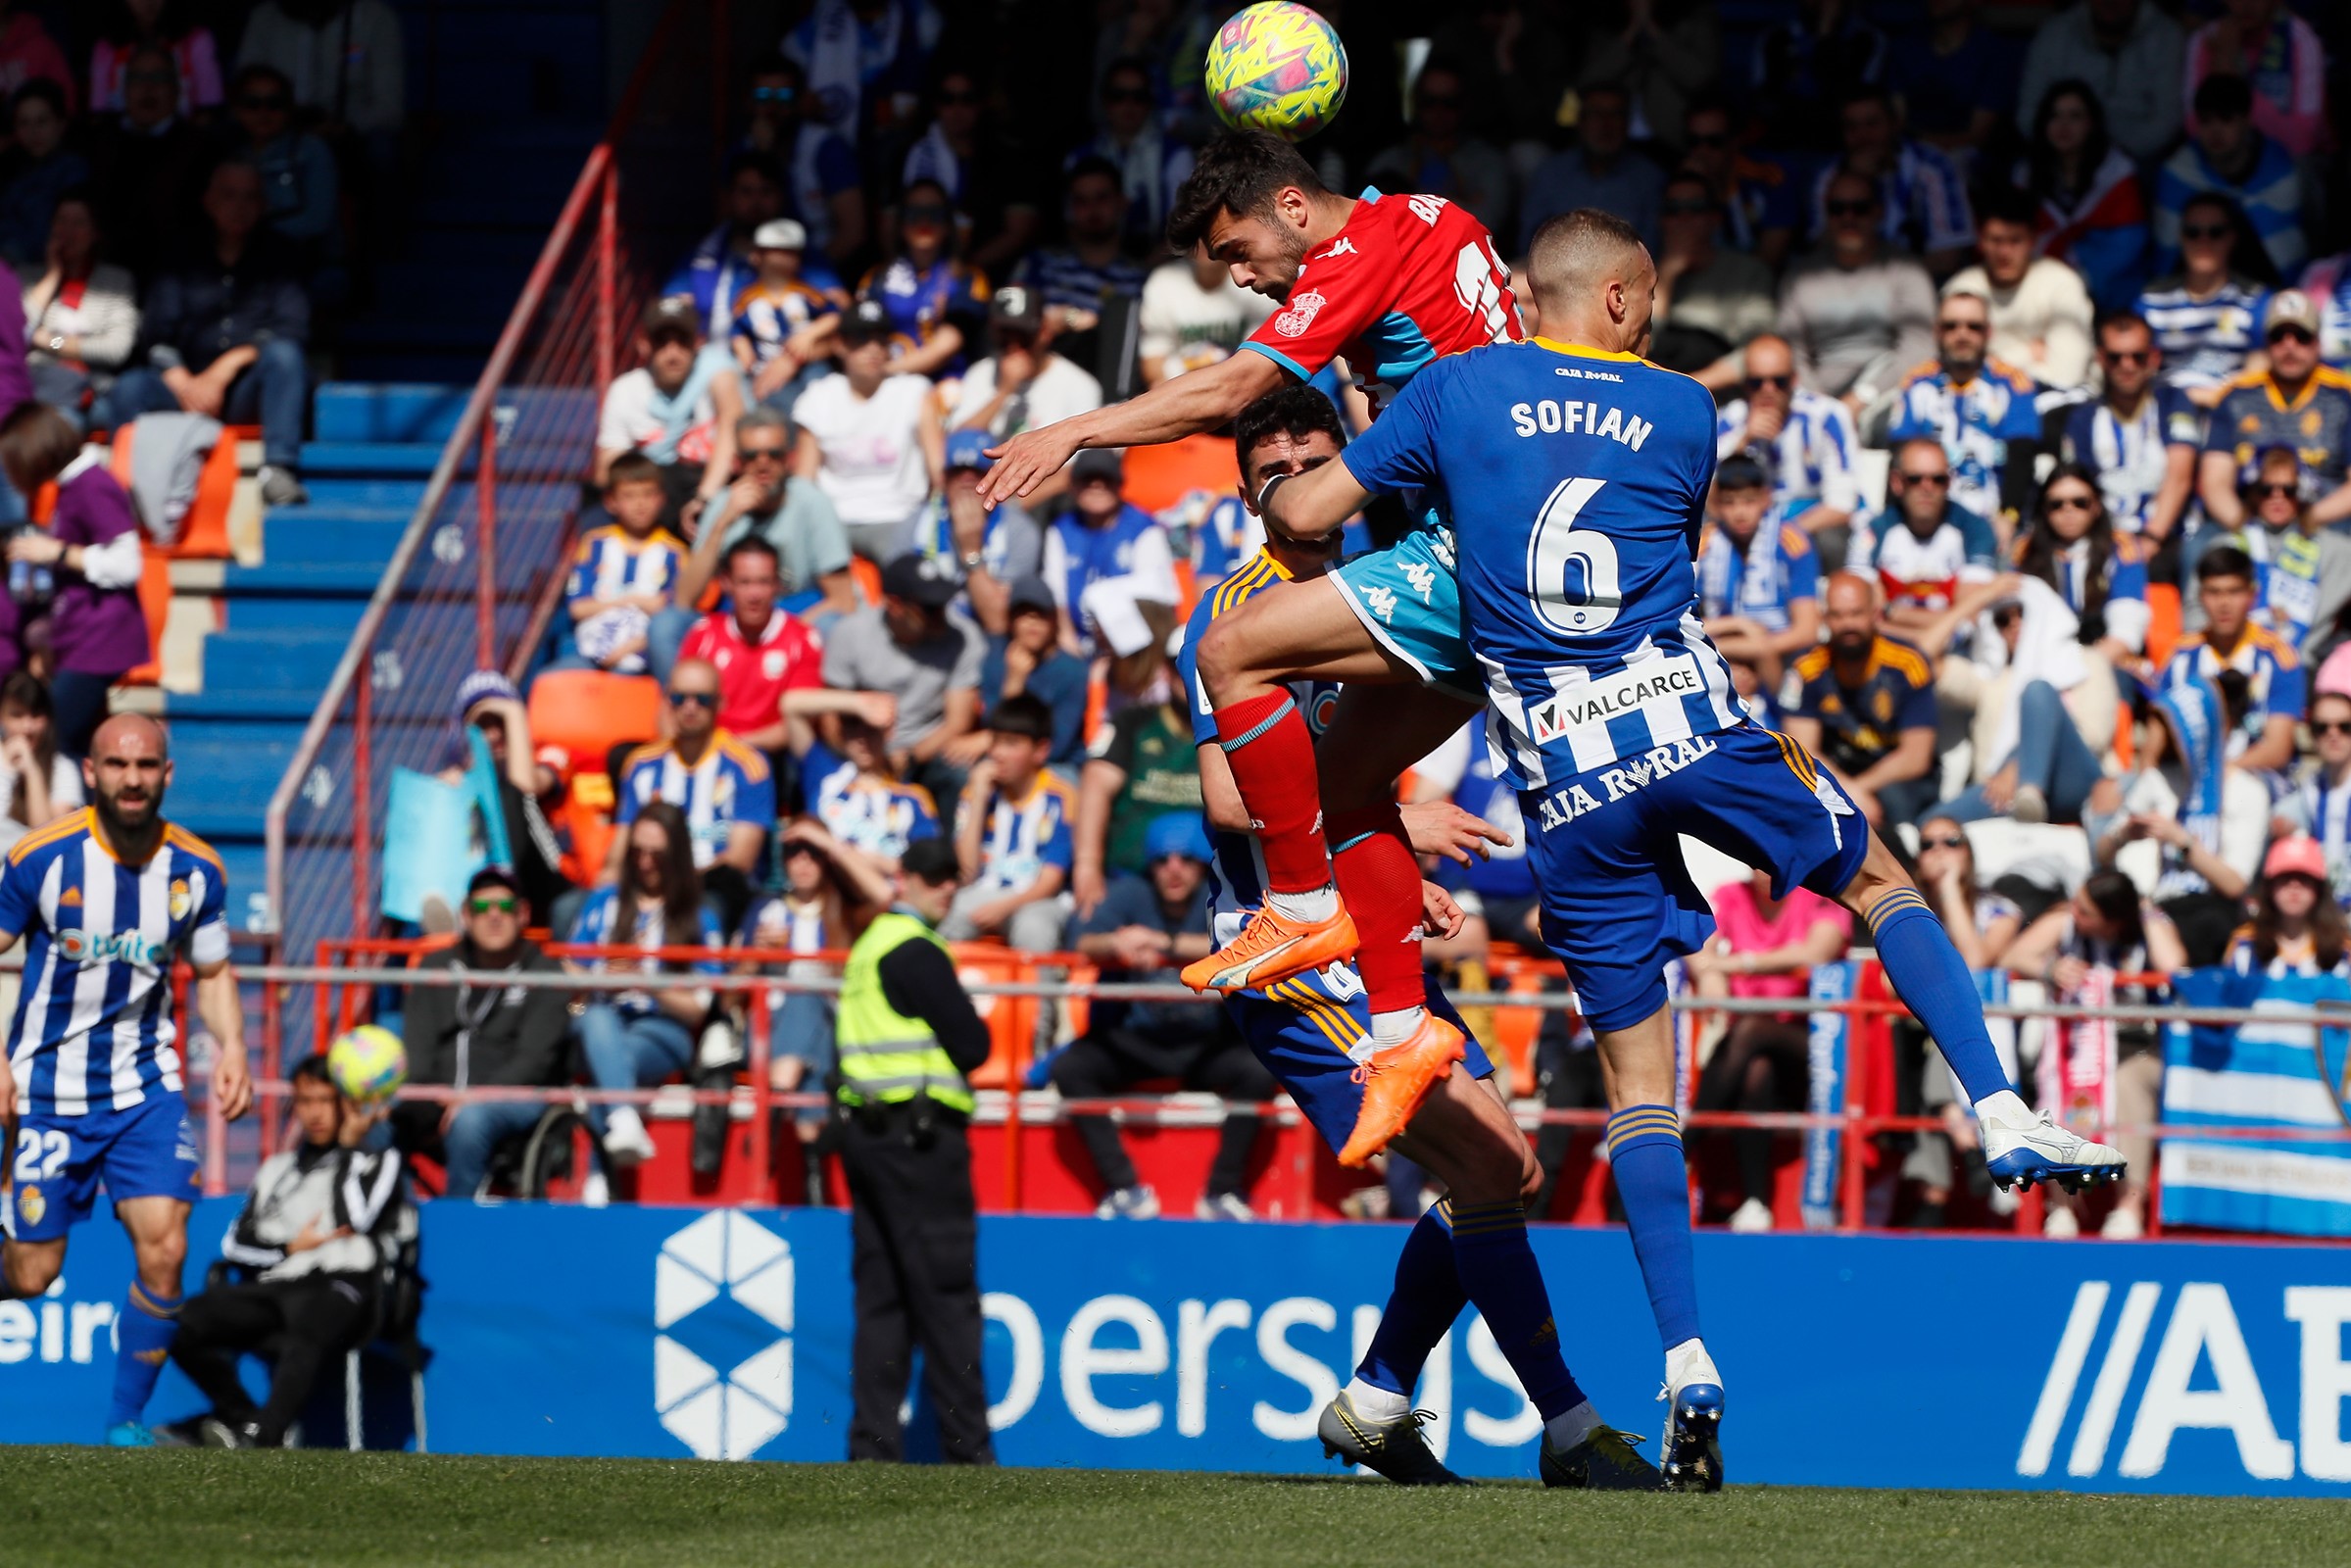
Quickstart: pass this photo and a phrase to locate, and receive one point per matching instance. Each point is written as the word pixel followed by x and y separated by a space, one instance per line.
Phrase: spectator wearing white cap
pixel 870 440
pixel 2295 402
pixel 1023 384
pixel 784 325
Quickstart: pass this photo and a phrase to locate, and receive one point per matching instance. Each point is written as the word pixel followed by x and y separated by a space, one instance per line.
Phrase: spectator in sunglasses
pixel 483 1033
pixel 2230 157
pixel 822 188
pixel 1922 194
pixel 933 301
pixel 299 185
pixel 1711 298
pixel 984 173
pixel 1759 203
pixel 722 786
pixel 1805 439
pixel 2320 806
pixel 347 58
pixel 769 502
pixel 2296 403
pixel 2304 570
pixel 1858 315
pixel 2206 316
pixel 1978 407
pixel 1933 559
pixel 2140 436
pixel 1150 164
pixel 2072 545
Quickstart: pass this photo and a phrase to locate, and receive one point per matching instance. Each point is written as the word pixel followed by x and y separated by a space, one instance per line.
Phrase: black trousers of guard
pixel 301 1321
pixel 914 1230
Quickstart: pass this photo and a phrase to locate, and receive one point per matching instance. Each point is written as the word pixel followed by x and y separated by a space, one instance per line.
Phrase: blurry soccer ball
pixel 1277 67
pixel 368 1064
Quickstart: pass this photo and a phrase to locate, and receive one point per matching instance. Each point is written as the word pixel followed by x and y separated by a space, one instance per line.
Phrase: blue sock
pixel 144 1329
pixel 1427 1298
pixel 1934 983
pixel 1644 1153
pixel 1497 1269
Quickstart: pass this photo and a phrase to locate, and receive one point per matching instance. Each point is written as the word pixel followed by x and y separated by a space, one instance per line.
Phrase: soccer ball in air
pixel 1277 67
pixel 368 1064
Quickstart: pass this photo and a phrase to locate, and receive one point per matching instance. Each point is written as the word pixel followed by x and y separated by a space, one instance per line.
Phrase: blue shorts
pixel 147 1151
pixel 1409 600
pixel 1305 1031
pixel 1617 900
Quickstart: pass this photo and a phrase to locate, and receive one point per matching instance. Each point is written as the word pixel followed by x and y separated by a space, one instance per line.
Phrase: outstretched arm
pixel 1199 400
pixel 1310 504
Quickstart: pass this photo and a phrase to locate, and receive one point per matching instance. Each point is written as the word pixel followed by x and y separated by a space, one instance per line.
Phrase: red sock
pixel 1272 756
pixel 1379 879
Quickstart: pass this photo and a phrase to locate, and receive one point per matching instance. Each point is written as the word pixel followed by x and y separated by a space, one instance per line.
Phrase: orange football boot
pixel 1271 949
pixel 1394 1083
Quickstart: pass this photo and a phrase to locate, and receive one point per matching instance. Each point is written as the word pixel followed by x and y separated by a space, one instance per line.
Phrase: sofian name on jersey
pixel 1554 416
pixel 1562 806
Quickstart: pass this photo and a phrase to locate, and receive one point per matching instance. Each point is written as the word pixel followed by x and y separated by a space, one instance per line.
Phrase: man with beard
pixel 92 1088
pixel 1868 709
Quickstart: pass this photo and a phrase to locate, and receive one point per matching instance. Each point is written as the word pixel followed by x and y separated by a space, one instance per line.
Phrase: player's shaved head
pixel 132 730
pixel 1593 280
pixel 126 773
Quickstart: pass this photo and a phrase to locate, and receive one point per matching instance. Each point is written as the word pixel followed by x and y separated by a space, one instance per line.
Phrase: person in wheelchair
pixel 487 1030
pixel 325 1225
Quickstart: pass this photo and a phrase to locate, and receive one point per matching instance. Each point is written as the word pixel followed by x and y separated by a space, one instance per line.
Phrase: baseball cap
pixel 933 859
pixel 864 321
pixel 1017 307
pixel 968 449
pixel 482 686
pixel 1031 593
pixel 919 580
pixel 2298 856
pixel 781 234
pixel 676 314
pixel 1098 463
pixel 2290 306
pixel 1175 833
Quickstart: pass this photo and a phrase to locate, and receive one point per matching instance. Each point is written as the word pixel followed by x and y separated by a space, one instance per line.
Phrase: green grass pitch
pixel 185 1508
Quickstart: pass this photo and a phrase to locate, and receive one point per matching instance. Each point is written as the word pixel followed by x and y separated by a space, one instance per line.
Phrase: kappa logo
pixel 1383 603
pixel 1342 246
pixel 1423 579
pixel 723 1256
pixel 1303 308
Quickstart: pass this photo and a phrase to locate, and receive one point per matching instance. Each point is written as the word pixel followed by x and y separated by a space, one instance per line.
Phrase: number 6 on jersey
pixel 1572 572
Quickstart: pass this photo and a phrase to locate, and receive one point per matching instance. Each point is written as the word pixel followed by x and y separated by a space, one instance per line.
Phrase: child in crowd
pixel 1014 826
pixel 850 786
pixel 783 325
pixel 1029 657
pixel 625 572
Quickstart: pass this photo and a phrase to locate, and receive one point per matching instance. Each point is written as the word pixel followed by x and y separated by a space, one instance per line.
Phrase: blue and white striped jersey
pixel 1575 480
pixel 93 1028
pixel 2129 456
pixel 2204 342
pixel 1811 460
pixel 1761 577
pixel 609 564
pixel 600 924
pixel 729 784
pixel 1974 422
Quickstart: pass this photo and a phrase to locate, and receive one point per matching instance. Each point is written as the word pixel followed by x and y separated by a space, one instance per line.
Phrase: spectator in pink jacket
pixel 2280 55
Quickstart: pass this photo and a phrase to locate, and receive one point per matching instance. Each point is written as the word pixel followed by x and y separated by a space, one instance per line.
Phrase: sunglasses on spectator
pixel 1962 327
pixel 755 454
pixel 2127 356
pixel 266 103
pixel 2331 726
pixel 693 699
pixel 1757 383
pixel 2272 487
pixel 1955 841
pixel 2297 333
pixel 2207 231
pixel 926 214
pixel 491 905
pixel 1936 477
pixel 2071 504
pixel 775 95
pixel 1851 209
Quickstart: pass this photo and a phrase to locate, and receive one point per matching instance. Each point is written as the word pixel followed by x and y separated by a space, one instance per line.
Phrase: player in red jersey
pixel 1388 283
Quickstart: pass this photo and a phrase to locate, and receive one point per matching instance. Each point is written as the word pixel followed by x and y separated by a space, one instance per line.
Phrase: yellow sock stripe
pixel 1899 899
pixel 149 1306
pixel 1488 1219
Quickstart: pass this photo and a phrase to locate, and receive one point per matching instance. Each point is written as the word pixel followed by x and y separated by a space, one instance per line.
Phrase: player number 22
pixel 1571 570
pixel 41 1153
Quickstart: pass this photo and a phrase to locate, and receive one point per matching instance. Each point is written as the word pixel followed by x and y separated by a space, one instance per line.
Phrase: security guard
pixel 906 1036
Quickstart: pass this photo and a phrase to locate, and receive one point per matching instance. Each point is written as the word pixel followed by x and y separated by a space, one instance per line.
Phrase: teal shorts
pixel 1409 600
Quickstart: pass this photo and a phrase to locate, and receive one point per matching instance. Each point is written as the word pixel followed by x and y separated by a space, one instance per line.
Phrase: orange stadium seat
pixel 589 711
pixel 1158 477
pixel 2162 622
pixel 204 535
pixel 155 604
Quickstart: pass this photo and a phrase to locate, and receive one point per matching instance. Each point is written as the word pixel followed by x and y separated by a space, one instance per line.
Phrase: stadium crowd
pixel 2029 332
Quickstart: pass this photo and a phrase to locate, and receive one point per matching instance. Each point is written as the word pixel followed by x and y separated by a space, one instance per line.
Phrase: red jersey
pixel 1409 278
pixel 752 677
